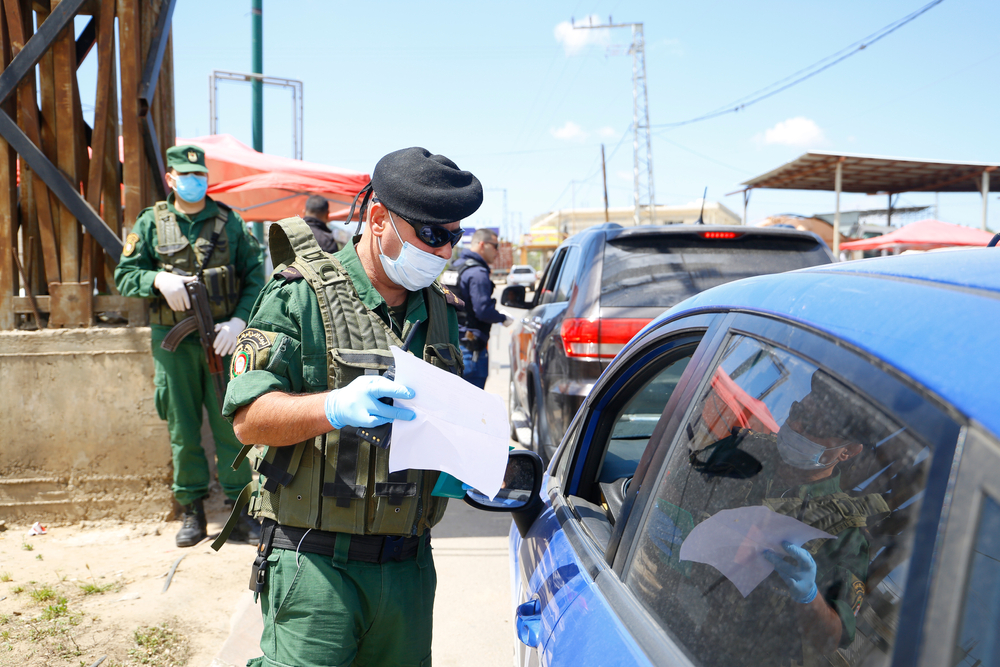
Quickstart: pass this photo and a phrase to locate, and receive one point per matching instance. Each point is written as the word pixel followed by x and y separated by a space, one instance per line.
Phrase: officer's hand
pixel 509 321
pixel 800 577
pixel 357 404
pixel 171 286
pixel 225 335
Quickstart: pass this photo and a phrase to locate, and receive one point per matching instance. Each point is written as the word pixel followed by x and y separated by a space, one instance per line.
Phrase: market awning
pixel 923 235
pixel 876 175
pixel 872 174
pixel 276 194
pixel 266 187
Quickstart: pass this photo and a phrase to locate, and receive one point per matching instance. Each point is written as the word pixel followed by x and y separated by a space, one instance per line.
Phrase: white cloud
pixel 575 40
pixel 570 131
pixel 607 133
pixel 799 131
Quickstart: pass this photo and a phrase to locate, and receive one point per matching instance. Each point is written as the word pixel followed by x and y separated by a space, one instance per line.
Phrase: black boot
pixel 247 529
pixel 193 530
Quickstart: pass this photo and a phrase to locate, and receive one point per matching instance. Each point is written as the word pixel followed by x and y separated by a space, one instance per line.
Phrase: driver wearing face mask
pixel 795 472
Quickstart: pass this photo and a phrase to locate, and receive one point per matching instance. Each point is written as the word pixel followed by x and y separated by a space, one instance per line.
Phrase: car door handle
pixel 529 621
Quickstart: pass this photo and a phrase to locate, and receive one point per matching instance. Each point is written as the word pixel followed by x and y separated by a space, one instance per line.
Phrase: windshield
pixel 661 271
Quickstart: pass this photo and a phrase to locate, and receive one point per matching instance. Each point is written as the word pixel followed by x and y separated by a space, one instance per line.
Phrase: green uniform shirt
pixel 290 307
pixel 135 273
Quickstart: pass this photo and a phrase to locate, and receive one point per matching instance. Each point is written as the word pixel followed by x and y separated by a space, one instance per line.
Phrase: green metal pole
pixel 257 88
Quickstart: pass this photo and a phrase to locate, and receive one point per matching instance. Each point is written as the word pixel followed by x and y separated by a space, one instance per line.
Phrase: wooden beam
pixel 64 70
pixel 18 25
pixel 129 39
pixel 105 98
pixel 8 209
pixel 102 303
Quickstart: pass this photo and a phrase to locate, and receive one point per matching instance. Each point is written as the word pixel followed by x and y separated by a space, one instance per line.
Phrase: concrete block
pixel 80 436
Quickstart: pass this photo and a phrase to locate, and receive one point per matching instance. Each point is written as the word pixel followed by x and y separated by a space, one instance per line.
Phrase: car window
pixel 567 275
pixel 777 449
pixel 661 271
pixel 546 292
pixel 978 641
pixel 634 423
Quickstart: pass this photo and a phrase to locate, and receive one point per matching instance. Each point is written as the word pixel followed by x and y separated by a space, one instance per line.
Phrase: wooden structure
pixel 68 191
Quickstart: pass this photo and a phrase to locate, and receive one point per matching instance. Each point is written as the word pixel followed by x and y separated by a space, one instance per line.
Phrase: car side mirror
pixel 513 296
pixel 519 493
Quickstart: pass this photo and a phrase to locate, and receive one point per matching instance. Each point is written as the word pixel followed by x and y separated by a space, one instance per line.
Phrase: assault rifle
pixel 200 319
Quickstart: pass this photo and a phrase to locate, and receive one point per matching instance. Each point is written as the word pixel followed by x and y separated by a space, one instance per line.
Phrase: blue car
pixel 793 469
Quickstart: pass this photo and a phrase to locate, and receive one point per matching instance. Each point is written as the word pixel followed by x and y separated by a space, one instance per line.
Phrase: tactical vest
pixel 178 255
pixel 833 514
pixel 337 481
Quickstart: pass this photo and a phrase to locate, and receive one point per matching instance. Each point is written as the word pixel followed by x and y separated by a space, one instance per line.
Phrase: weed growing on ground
pixel 43 594
pixel 54 611
pixel 17 590
pixel 5 577
pixel 159 646
pixel 38 557
pixel 95 589
pixel 27 547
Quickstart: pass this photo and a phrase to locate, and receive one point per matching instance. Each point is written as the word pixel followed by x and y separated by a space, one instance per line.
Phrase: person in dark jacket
pixel 317 215
pixel 476 289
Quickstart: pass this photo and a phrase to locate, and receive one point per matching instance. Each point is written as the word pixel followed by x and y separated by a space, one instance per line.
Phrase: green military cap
pixel 186 159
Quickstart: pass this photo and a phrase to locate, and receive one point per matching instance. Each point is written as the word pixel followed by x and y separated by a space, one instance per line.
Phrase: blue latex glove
pixel 800 577
pixel 357 404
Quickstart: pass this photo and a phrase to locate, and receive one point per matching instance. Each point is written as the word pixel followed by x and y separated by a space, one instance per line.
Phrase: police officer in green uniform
pixel 344 567
pixel 166 249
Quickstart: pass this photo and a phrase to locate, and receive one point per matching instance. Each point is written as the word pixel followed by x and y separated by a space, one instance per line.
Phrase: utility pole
pixel 604 175
pixel 257 88
pixel 642 188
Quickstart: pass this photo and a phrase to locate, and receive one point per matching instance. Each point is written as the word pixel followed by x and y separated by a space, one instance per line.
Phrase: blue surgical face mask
pixel 414 269
pixel 191 187
pixel 800 452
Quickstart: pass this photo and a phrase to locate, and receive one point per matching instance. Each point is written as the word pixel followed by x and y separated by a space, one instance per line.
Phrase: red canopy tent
pixel 267 187
pixel 923 235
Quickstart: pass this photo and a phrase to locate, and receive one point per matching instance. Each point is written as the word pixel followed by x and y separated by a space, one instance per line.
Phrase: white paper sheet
pixel 733 542
pixel 459 428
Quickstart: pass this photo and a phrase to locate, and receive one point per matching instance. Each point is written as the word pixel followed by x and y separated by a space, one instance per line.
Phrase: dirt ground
pixel 96 589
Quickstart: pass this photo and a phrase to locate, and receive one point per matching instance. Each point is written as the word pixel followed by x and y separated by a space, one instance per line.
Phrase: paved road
pixel 472 608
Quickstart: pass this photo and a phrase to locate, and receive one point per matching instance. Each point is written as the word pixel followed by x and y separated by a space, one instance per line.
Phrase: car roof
pixel 934 317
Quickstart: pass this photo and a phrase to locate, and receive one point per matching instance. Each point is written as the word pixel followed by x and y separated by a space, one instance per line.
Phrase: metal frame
pixel 297 94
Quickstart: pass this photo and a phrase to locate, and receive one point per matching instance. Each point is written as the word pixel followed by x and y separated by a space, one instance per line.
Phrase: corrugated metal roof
pixel 873 174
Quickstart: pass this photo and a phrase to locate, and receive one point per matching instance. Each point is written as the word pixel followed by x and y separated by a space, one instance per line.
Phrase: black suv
pixel 605 284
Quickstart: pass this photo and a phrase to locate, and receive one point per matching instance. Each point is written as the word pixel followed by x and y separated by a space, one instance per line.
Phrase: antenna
pixel 700 220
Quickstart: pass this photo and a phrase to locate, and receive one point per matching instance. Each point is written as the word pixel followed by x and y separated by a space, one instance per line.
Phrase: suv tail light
pixel 599 338
pixel 719 235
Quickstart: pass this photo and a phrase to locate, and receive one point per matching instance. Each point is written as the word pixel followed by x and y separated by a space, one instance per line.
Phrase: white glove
pixel 225 335
pixel 171 286
pixel 509 321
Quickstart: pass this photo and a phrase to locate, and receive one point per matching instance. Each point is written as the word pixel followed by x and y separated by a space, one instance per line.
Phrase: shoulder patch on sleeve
pixel 290 274
pixel 452 298
pixel 857 594
pixel 130 242
pixel 253 348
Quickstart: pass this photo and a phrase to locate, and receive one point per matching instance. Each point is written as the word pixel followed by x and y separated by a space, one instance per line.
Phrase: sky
pixel 510 91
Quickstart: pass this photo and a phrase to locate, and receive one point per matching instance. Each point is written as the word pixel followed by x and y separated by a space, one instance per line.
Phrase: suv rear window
pixel 661 271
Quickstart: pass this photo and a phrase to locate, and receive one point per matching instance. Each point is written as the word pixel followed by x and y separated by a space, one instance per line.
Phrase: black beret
pixel 426 188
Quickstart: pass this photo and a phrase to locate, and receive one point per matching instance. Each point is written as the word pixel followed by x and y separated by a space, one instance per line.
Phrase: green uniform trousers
pixel 183 386
pixel 325 611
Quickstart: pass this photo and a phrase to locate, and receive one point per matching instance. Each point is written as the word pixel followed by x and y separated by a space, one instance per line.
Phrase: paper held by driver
pixel 733 541
pixel 458 429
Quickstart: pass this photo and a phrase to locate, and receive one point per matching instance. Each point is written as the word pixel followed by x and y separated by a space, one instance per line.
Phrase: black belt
pixel 364 548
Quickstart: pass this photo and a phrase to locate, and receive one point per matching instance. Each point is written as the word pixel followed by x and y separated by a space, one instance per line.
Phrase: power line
pixel 807 72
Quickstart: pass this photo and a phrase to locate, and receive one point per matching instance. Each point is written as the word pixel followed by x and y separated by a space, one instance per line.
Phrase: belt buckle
pixel 392 548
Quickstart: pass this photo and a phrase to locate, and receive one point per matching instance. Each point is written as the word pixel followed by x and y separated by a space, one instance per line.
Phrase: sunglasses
pixel 433 235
